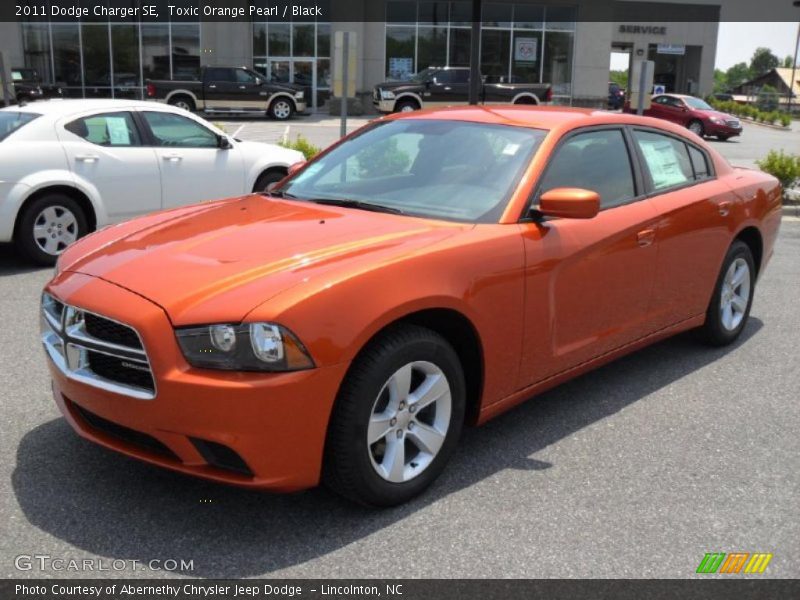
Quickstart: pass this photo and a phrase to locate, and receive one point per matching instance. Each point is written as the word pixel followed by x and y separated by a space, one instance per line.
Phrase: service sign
pixel 525 49
pixel 678 49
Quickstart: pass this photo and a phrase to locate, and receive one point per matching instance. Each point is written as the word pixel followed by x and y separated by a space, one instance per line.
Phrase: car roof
pixel 537 117
pixel 58 107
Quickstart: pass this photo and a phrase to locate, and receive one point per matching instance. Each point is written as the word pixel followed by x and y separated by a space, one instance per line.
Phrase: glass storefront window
pixel 400 52
pixel 155 51
pixel 520 43
pixel 558 61
pixel 303 40
pixel 36 41
pixel 67 58
pixel 96 59
pixel 433 13
pixel 259 39
pixel 401 12
pixel 323 40
pixel 525 69
pixel 125 53
pixel 279 40
pixel 460 40
pixel 186 51
pixel 431 47
pixel 495 50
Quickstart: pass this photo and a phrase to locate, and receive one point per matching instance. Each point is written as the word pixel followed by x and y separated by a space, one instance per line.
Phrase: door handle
pixel 212 87
pixel 447 88
pixel 242 87
pixel 89 158
pixel 646 237
pixel 172 157
pixel 724 208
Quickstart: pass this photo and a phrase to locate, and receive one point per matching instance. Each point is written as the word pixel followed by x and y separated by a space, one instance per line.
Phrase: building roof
pixel 779 77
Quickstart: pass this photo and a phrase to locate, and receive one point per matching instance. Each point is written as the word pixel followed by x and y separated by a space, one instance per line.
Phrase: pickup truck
pixel 439 86
pixel 28 86
pixel 230 90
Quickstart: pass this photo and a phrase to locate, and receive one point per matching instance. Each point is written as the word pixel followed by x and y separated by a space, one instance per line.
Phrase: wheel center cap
pixel 403 419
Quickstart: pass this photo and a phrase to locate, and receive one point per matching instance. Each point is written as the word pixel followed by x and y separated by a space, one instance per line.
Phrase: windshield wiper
pixel 278 194
pixel 348 203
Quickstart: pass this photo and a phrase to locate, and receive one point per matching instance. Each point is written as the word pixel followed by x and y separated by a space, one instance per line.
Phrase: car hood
pixel 718 115
pixel 220 260
pixel 398 85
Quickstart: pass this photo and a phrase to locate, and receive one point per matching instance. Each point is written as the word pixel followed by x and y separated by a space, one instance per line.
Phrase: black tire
pixel 281 109
pixel 266 178
pixel 714 331
pixel 723 138
pixel 24 236
pixel 701 131
pixel 184 102
pixel 348 466
pixel 406 105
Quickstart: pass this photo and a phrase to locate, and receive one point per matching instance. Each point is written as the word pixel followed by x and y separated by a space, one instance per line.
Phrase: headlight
pixel 387 95
pixel 299 95
pixel 717 120
pixel 243 347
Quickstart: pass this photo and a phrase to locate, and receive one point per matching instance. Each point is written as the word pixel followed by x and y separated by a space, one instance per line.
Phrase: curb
pixel 768 125
pixel 790 210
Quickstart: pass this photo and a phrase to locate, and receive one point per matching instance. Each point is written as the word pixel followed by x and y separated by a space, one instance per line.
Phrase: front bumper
pixel 384 106
pixel 712 128
pixel 275 423
pixel 300 105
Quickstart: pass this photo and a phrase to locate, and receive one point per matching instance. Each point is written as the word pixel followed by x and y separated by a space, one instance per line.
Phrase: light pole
pixel 794 65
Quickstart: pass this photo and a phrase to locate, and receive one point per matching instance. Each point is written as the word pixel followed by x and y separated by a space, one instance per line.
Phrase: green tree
pixel 720 81
pixel 737 74
pixel 763 60
pixel 619 77
pixel 788 62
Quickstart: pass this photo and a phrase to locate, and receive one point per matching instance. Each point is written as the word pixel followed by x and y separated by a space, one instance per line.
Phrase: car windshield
pixel 697 103
pixel 452 170
pixel 11 121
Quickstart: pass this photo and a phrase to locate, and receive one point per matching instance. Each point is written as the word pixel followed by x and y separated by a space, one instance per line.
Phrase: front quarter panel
pixel 477 273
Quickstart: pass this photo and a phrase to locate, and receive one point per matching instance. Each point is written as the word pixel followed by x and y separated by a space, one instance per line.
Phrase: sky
pixel 737 42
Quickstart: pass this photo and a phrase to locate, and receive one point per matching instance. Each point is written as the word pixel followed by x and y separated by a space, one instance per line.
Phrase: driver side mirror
pixel 223 143
pixel 570 203
pixel 295 167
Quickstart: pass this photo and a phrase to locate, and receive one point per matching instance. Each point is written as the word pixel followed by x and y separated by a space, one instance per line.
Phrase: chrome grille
pixel 733 123
pixel 96 350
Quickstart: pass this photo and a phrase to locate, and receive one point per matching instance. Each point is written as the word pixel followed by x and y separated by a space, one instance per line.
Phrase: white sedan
pixel 69 167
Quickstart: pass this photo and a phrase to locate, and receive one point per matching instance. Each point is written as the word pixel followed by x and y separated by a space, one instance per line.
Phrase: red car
pixel 694 114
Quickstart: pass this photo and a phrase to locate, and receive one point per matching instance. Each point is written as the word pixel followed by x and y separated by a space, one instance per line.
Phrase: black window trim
pixel 152 140
pixel 131 112
pixel 640 191
pixel 650 189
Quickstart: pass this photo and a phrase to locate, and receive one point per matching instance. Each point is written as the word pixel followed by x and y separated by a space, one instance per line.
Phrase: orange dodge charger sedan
pixel 431 270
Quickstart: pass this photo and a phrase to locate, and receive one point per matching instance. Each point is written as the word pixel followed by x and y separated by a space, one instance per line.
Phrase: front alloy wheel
pixel 696 127
pixel 55 228
pixel 397 417
pixel 409 423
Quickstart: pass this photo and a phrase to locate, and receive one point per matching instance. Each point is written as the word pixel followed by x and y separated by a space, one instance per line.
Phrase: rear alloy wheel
pixel 281 109
pixel 48 226
pixel 730 305
pixel 696 127
pixel 397 418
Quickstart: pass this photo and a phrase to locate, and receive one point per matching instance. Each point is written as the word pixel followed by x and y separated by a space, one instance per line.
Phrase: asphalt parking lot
pixel 635 470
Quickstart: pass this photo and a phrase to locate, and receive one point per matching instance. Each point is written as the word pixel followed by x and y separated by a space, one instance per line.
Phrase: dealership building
pixel 566 43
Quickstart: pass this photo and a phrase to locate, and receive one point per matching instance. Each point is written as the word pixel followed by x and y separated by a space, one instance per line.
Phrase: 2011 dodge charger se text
pixel 431 270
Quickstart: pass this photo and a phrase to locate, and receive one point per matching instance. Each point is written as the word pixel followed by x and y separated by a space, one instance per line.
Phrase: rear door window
pixel 667 159
pixel 107 129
